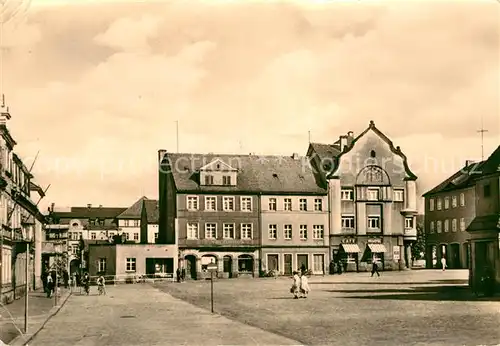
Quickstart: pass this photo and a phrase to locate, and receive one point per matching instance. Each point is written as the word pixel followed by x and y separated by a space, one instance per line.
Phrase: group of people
pixel 181 274
pixel 300 287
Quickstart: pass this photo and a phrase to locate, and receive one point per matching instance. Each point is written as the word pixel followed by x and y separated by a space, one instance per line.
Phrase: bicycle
pixel 101 290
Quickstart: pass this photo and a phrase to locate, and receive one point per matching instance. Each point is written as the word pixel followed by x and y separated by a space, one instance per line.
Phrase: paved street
pixel 399 308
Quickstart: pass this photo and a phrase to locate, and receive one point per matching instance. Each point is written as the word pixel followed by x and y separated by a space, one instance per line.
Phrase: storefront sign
pixel 348 241
pixel 396 254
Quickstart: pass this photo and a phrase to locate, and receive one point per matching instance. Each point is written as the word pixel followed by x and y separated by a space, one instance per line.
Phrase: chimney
pixel 89 206
pixel 161 155
pixel 350 137
pixel 4 112
pixel 343 142
pixel 295 156
pixel 468 162
pixel 52 205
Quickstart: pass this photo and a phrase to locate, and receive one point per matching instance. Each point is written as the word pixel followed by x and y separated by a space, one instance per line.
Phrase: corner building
pixel 372 197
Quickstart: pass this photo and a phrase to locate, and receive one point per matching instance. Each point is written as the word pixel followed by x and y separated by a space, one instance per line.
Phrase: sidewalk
pixel 40 308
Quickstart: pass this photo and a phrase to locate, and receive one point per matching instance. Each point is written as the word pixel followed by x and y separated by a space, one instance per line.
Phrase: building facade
pixel 20 233
pixel 450 207
pixel 372 199
pixel 139 223
pixel 484 230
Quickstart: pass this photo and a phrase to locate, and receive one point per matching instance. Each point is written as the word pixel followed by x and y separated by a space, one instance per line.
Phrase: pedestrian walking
pixel 304 286
pixel 49 286
pixel 295 286
pixel 178 273
pixel 443 263
pixel 183 274
pixel 375 267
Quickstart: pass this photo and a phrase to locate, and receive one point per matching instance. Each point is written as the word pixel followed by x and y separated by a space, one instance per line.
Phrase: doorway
pixel 191 266
pixel 466 253
pixel 455 256
pixel 303 262
pixel 288 264
pixel 227 265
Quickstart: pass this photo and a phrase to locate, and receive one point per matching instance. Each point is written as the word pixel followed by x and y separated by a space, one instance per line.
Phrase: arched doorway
pixel 455 256
pixel 190 262
pixel 245 265
pixel 74 266
pixel 228 265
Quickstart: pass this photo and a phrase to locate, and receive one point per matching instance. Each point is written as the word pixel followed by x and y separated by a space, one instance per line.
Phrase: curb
pixel 24 339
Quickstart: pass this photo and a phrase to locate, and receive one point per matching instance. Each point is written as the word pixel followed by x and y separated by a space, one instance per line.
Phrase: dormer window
pixel 226 180
pixel 209 179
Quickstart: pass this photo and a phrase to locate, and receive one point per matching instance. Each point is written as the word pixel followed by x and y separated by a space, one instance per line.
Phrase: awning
pixel 377 248
pixel 351 248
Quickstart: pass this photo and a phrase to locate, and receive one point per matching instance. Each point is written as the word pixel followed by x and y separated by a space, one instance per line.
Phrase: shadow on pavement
pixel 429 293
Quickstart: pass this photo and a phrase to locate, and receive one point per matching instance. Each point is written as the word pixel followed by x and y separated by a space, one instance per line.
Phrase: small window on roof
pixel 373 153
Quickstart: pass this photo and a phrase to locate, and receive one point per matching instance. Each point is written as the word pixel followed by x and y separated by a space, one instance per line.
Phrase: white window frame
pixel 431 204
pixel 155 236
pixel 318 230
pixel 439 204
pixel 136 236
pixel 137 223
pixel 439 226
pixel 272 228
pixel 454 225
pixel 446 225
pixel 190 228
pixel 462 199
pixel 214 229
pixel 273 204
pixel 303 230
pixel 303 204
pixel 226 199
pixel 348 217
pixel 93 235
pixel 409 222
pixel 398 195
pixel 454 201
pixel 208 203
pixel 227 180
pixel 101 265
pixel 462 224
pixel 318 204
pixel 228 227
pixel 130 264
pixel 370 190
pixel 126 223
pixel 287 204
pixel 244 228
pixel 447 203
pixel 347 194
pixel 287 228
pixel 189 202
pixel 431 227
pixel 377 217
pixel 242 203
pixel 314 264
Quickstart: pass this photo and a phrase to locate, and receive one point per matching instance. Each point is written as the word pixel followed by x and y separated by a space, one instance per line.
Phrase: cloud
pixel 107 86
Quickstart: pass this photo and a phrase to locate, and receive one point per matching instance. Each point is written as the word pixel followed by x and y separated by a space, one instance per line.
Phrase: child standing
pixel 304 286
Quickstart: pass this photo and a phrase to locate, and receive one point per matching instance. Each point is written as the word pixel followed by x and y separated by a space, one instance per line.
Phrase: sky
pixel 97 87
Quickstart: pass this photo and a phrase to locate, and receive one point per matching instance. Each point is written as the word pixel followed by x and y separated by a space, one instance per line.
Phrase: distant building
pixel 450 207
pixel 139 223
pixel 372 199
pixel 484 230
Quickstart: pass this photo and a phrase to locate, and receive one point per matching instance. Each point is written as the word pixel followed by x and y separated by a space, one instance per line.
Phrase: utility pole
pixel 482 131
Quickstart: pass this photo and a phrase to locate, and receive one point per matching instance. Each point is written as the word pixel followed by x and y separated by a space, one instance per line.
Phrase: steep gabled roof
pixel 459 180
pixel 152 210
pixel 492 163
pixel 256 174
pixel 134 211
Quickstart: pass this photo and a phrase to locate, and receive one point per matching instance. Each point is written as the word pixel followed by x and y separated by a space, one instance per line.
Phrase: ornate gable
pixel 217 165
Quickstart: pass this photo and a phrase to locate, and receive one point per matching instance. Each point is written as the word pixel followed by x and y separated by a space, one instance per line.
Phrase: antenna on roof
pixel 482 131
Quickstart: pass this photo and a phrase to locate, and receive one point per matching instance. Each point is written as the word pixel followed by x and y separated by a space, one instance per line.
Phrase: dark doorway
pixel 191 266
pixel 455 256
pixel 228 265
pixel 272 263
pixel 74 265
pixel 245 264
pixel 288 264
pixel 159 267
pixel 302 262
pixel 466 253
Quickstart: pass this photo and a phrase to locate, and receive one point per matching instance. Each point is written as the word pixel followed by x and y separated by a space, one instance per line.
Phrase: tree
pixel 418 247
pixel 60 264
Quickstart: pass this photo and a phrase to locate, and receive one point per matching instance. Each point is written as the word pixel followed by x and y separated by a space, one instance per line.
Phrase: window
pixel 226 180
pixel 102 265
pixel 318 264
pixel 228 203
pixel 111 234
pixel 246 203
pixel 346 195
pixel 318 232
pixel 192 230
pixel 374 222
pixel 287 231
pixel 303 204
pixel 246 231
pixel 347 222
pixel 462 199
pixel 487 190
pixel 136 223
pixel 272 203
pixel 228 230
pixel 446 202
pixel 373 194
pixel 399 195
pixel 156 234
pixel 439 226
pixel 454 225
pixel 74 249
pixel 130 265
pixel 272 231
pixel 303 232
pixel 210 230
pixel 136 236
pixel 431 227
pixel 454 202
pixel 93 235
pixel 209 179
pixel 439 204
pixel 101 222
pixel 210 203
pixel 125 223
pixel 127 236
pixel 287 204
pixel 409 222
pixel 462 224
pixel 446 225
pixel 192 202
pixel 318 204
pixel 431 204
